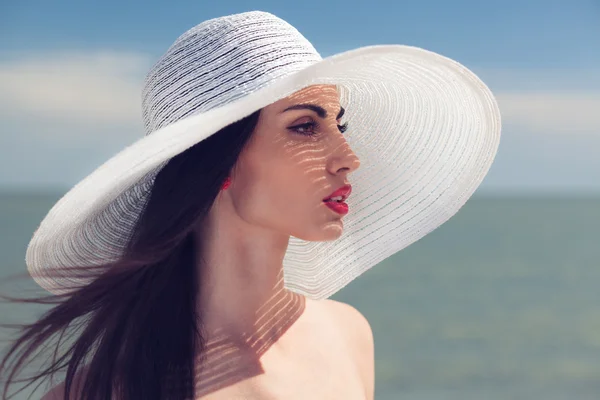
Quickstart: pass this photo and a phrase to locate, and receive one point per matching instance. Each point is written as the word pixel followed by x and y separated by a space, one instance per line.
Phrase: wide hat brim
pixel 425 128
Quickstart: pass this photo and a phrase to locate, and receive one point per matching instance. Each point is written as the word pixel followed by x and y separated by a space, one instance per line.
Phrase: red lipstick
pixel 336 200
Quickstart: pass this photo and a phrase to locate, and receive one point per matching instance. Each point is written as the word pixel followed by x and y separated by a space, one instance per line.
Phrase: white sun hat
pixel 425 128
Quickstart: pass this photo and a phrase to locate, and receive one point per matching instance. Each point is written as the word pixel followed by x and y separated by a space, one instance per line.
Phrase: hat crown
pixel 219 61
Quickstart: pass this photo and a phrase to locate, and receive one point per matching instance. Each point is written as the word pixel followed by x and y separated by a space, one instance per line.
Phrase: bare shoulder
pixel 359 334
pixel 352 322
pixel 346 314
pixel 58 391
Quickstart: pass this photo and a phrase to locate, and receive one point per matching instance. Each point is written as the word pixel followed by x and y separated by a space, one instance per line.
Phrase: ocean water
pixel 501 302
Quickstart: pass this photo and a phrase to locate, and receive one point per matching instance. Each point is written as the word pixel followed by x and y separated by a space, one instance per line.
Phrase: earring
pixel 226 183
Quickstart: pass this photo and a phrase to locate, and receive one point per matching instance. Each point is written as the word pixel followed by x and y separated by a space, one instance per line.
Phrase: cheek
pixel 280 184
pixel 278 188
pixel 277 193
pixel 270 200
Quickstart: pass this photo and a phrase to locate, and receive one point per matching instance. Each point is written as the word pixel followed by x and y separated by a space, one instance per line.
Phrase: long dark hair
pixel 140 330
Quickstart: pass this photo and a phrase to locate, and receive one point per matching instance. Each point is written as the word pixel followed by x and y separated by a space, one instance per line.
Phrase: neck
pixel 242 295
pixel 242 302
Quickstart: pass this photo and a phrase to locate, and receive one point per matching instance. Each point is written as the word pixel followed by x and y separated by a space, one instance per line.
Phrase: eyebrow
pixel 318 109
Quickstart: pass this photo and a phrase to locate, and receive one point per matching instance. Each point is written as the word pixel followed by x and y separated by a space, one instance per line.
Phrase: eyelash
pixel 313 125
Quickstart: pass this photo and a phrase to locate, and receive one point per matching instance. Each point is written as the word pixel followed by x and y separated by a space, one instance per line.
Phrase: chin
pixel 334 230
pixel 325 233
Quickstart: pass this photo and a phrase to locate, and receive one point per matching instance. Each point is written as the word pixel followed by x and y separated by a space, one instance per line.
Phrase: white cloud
pixel 63 114
pixel 89 88
pixel 548 101
pixel 104 88
pixel 552 112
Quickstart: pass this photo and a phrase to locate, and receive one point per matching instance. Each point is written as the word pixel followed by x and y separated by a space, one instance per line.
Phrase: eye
pixel 343 127
pixel 303 129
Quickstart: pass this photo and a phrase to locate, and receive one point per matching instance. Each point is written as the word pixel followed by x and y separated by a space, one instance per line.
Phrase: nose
pixel 343 159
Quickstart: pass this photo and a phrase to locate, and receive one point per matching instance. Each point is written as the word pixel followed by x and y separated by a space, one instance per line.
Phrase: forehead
pixel 327 96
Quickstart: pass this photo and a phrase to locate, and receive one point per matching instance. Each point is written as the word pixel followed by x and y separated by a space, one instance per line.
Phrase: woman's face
pixel 294 160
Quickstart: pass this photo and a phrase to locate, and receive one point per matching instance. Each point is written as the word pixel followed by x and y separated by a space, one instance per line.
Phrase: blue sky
pixel 70 74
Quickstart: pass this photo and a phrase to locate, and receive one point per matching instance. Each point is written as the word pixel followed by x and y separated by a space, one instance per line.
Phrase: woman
pixel 197 262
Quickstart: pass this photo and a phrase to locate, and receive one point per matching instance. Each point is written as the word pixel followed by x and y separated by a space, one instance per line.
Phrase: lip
pixel 340 207
pixel 344 191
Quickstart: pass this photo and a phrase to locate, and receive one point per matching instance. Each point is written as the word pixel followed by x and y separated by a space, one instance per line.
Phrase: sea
pixel 502 302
